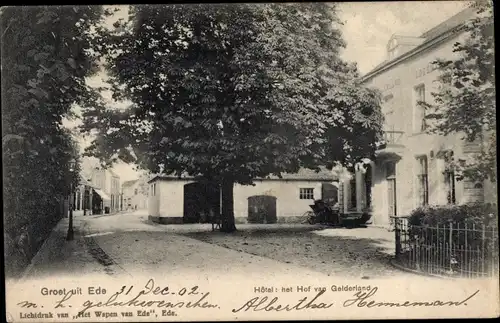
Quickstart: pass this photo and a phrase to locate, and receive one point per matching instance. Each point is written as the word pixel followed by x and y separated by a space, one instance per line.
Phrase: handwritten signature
pixel 360 299
pixel 121 298
pixel 365 299
pixel 257 304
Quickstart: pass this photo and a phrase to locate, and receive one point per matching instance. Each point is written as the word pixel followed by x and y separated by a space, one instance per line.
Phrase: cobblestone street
pixel 127 244
pixel 356 253
pixel 142 248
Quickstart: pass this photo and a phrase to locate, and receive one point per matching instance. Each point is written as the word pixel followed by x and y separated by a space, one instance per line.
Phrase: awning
pixel 102 194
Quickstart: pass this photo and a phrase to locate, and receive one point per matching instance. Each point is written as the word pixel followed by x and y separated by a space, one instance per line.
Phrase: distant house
pixel 135 194
pixel 88 199
pixel 107 184
pixel 185 200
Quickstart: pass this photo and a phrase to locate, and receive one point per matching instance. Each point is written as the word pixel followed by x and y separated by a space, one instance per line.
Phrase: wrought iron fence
pixel 452 249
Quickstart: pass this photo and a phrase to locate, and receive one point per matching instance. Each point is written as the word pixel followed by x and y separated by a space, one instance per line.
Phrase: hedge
pixel 478 214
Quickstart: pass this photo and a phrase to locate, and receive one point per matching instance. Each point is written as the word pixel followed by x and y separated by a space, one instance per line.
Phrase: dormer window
pixel 391 48
pixel 393 43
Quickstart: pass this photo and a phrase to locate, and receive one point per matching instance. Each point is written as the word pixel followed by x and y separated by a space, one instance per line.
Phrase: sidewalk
pixel 58 257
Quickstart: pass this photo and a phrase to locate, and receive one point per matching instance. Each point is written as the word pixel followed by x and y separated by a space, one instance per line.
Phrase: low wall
pixel 238 219
pixel 22 241
pixel 165 220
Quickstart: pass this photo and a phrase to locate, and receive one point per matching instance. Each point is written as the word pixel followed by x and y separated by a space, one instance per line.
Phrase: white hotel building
pixel 410 169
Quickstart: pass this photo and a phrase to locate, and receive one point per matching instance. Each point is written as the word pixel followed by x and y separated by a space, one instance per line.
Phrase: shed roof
pixel 304 174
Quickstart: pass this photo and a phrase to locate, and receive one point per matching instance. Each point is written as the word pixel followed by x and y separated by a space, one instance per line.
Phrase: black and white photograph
pixel 249 161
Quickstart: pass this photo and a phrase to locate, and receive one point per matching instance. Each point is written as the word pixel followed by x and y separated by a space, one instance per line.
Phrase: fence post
pixel 397 230
pixel 451 247
pixel 483 253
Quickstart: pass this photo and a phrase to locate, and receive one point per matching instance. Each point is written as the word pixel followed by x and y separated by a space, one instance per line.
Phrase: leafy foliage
pixel 45 60
pixel 465 102
pixel 232 92
pixel 477 213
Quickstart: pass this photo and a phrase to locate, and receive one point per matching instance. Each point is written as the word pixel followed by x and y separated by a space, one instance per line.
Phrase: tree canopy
pixel 465 102
pixel 45 60
pixel 233 92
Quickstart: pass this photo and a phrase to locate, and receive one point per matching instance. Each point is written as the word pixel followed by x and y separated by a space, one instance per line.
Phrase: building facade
pixel 135 194
pixel 411 166
pixel 270 200
pixel 87 199
pixel 107 184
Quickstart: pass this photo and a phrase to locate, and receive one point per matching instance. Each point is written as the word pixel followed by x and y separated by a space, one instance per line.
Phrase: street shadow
pixel 339 251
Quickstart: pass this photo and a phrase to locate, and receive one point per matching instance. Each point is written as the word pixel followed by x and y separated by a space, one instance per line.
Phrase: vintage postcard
pixel 249 161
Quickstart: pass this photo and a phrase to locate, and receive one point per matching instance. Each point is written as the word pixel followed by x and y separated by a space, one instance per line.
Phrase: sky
pixel 367 27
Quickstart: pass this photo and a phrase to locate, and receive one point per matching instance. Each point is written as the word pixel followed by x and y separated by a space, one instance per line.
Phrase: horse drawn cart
pixel 325 213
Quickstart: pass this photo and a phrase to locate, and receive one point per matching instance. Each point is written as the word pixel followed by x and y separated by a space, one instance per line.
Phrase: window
pixel 420 124
pixel 449 178
pixel 353 198
pixel 135 191
pixel 306 194
pixel 390 170
pixel 473 191
pixel 422 178
pixel 388 111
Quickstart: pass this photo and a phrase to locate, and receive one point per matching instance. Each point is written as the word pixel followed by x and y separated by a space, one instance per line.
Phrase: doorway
pixel 391 189
pixel 262 209
pixel 329 194
pixel 200 201
pixel 97 203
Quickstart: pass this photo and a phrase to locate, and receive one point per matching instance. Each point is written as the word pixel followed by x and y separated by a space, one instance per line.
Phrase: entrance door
pixel 200 199
pixel 391 190
pixel 193 202
pixel 262 209
pixel 329 194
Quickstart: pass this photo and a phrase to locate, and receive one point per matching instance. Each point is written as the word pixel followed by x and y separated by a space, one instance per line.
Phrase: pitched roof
pixel 430 35
pixel 112 172
pixel 129 183
pixel 450 23
pixel 307 174
pixel 85 182
pixel 304 174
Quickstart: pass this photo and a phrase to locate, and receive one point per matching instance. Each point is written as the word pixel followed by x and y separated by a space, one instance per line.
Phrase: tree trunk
pixel 227 217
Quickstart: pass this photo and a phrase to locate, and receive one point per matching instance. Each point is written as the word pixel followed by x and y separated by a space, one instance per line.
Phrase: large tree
pixel 229 93
pixel 45 60
pixel 465 101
